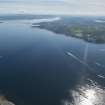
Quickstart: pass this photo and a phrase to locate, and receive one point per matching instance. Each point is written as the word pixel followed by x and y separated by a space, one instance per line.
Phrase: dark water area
pixel 39 67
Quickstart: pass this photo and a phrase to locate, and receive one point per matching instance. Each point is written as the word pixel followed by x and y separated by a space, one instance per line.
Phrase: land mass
pixel 90 29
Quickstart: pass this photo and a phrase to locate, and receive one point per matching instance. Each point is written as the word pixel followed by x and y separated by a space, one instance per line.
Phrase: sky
pixel 67 7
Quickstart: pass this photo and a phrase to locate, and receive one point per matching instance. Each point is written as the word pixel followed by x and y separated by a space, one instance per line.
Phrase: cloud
pixel 75 7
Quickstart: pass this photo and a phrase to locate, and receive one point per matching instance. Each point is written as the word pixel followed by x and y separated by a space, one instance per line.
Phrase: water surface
pixel 39 67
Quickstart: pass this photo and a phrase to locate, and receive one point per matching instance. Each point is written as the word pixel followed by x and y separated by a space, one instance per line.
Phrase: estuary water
pixel 39 67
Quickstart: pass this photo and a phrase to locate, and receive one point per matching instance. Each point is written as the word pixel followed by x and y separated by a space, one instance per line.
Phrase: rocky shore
pixel 4 101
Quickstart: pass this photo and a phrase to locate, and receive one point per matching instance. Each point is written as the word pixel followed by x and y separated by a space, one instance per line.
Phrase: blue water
pixel 39 67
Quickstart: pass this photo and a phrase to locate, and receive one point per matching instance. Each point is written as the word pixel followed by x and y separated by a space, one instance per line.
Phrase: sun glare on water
pixel 88 98
pixel 86 95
